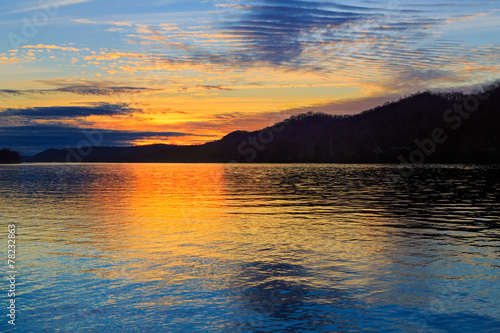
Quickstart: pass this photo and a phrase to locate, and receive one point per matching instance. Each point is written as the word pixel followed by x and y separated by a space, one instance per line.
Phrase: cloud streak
pixel 37 6
pixel 65 112
pixel 97 90
pixel 51 47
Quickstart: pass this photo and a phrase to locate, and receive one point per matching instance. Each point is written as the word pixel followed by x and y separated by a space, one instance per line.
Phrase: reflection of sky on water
pixel 283 298
pixel 254 247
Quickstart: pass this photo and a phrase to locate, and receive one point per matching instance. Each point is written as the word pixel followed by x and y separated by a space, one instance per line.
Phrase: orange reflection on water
pixel 179 218
pixel 163 213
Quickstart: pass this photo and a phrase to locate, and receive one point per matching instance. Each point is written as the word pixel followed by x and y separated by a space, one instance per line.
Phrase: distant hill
pixel 427 127
pixel 8 156
pixel 98 153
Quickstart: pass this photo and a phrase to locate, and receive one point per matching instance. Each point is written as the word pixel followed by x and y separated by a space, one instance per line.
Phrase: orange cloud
pixel 51 47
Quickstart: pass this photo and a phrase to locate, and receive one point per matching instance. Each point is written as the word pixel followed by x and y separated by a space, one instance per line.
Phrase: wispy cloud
pixel 51 47
pixel 37 5
pixel 212 87
pixel 369 44
pixel 85 89
pixel 117 23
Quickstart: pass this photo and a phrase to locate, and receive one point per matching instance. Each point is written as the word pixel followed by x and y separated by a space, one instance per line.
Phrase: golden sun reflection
pixel 170 214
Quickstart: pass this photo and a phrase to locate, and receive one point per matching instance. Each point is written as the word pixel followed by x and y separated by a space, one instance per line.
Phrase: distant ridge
pixel 8 156
pixel 426 127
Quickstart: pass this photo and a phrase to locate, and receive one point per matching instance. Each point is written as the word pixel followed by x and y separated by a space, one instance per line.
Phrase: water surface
pixel 253 248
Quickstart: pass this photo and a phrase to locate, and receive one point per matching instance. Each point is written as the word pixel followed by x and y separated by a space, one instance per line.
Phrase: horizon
pixel 187 73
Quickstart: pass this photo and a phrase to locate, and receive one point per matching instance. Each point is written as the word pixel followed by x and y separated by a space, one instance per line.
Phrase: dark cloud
pixel 427 5
pixel 99 90
pixel 316 36
pixel 374 44
pixel 61 112
pixel 280 32
pixel 211 87
pixel 230 115
pixel 11 92
pixel 96 90
pixel 33 139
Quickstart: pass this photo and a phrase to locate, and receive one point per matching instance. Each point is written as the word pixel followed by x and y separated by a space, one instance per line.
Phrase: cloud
pixel 50 47
pixel 62 112
pixel 36 138
pixel 279 31
pixel 38 5
pixel 14 59
pixel 85 89
pixel 115 55
pixel 11 92
pixel 310 34
pixel 370 44
pixel 97 90
pixel 118 23
pixel 211 87
pixel 290 35
pixel 465 17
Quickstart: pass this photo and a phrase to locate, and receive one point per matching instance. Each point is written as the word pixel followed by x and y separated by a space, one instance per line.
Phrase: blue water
pixel 252 248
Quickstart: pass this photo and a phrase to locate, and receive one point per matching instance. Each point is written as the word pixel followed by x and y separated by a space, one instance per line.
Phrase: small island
pixel 8 156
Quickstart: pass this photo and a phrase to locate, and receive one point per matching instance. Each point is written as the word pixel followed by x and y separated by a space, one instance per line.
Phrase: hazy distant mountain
pixel 424 127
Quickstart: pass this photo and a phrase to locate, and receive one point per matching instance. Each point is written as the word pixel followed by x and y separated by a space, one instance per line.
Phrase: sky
pixel 186 72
